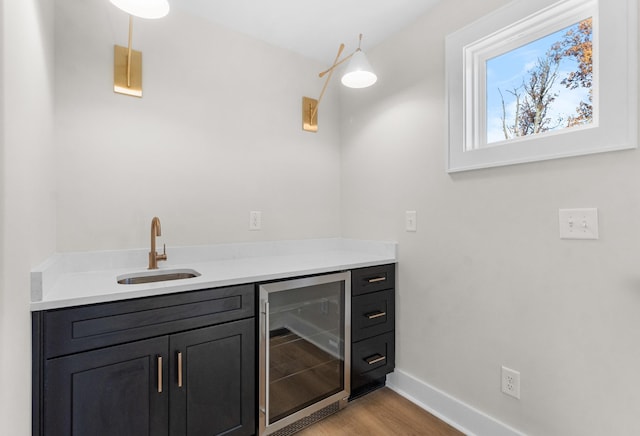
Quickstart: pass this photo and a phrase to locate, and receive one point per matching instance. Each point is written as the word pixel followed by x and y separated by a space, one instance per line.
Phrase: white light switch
pixel 411 224
pixel 578 223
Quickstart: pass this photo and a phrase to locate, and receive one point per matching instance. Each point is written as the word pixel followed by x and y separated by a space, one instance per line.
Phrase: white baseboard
pixel 454 412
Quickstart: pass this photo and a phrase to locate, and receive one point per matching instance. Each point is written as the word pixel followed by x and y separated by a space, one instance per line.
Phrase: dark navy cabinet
pixel 168 365
pixel 372 327
pixel 108 391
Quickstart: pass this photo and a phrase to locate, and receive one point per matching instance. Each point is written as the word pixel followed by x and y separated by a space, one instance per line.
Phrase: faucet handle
pixel 162 256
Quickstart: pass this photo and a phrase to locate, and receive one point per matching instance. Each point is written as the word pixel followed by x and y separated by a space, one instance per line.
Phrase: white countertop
pixel 73 279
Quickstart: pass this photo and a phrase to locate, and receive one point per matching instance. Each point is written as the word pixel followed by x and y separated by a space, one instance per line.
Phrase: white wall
pixel 216 135
pixel 486 281
pixel 27 231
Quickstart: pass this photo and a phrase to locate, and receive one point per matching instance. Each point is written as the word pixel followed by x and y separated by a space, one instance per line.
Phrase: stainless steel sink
pixel 157 276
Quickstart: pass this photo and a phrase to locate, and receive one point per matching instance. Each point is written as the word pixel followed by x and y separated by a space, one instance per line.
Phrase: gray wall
pixel 486 281
pixel 217 134
pixel 27 207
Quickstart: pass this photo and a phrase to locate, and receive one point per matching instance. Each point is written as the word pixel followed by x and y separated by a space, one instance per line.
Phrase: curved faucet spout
pixel 154 257
pixel 156 229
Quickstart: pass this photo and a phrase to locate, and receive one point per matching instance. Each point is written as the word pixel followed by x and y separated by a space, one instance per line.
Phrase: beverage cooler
pixel 305 359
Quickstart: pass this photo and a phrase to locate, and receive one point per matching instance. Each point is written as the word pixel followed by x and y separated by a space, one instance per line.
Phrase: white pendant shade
pixel 359 73
pixel 144 8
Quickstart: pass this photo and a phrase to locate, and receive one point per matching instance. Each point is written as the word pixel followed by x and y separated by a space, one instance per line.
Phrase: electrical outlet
pixel 255 220
pixel 511 382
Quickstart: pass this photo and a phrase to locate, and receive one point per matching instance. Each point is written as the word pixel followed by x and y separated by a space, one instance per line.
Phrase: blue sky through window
pixel 508 71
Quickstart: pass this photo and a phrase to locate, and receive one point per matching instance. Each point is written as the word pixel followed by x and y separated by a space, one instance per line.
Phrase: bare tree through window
pixel 542 86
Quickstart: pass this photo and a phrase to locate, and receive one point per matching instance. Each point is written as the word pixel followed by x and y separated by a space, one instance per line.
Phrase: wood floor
pixel 299 373
pixel 381 413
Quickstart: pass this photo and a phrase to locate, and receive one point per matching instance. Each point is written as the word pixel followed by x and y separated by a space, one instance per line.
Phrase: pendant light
pixel 358 74
pixel 143 8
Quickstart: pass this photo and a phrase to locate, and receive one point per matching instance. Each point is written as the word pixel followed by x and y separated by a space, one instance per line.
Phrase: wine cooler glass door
pixel 305 347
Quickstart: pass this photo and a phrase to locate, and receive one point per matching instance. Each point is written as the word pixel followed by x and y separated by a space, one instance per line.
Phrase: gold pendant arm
pixel 326 83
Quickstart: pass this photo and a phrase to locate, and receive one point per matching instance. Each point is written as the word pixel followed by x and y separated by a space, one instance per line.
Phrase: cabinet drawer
pixel 372 314
pixel 71 330
pixel 372 359
pixel 372 279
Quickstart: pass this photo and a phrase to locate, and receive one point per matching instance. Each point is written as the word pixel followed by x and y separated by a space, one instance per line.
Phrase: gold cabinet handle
pixel 179 370
pixel 376 315
pixel 159 374
pixel 375 359
pixel 377 279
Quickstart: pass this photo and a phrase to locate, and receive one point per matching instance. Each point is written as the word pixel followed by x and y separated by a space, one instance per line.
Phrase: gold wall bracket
pixel 124 83
pixel 310 105
pixel 309 114
pixel 127 68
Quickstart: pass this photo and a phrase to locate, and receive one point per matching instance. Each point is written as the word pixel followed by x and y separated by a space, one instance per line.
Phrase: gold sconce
pixel 358 74
pixel 127 67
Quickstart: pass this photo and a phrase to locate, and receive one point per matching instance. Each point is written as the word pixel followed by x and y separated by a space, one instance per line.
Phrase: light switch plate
pixel 411 217
pixel 578 223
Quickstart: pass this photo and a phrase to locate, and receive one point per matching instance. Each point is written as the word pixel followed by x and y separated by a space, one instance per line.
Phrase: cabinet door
pixel 215 392
pixel 107 392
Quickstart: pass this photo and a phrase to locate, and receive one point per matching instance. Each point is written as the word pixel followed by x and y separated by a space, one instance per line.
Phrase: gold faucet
pixel 154 257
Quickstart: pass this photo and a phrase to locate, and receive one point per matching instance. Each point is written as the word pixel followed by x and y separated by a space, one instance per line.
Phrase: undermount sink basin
pixel 157 276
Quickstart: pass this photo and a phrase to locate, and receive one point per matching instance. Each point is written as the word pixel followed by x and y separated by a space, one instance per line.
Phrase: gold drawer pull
pixel 159 374
pixel 376 315
pixel 375 359
pixel 377 279
pixel 179 370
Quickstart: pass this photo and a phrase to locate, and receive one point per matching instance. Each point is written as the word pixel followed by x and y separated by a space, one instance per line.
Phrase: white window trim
pixel 516 24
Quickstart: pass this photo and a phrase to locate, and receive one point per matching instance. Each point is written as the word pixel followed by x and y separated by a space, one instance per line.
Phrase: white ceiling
pixel 314 29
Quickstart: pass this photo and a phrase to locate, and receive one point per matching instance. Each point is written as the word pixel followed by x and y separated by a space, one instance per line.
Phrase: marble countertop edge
pixel 74 279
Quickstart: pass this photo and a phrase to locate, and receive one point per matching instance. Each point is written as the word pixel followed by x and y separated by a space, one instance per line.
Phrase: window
pixel 533 82
pixel 543 86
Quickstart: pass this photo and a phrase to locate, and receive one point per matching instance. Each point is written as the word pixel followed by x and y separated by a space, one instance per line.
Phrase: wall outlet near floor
pixel 255 220
pixel 511 382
